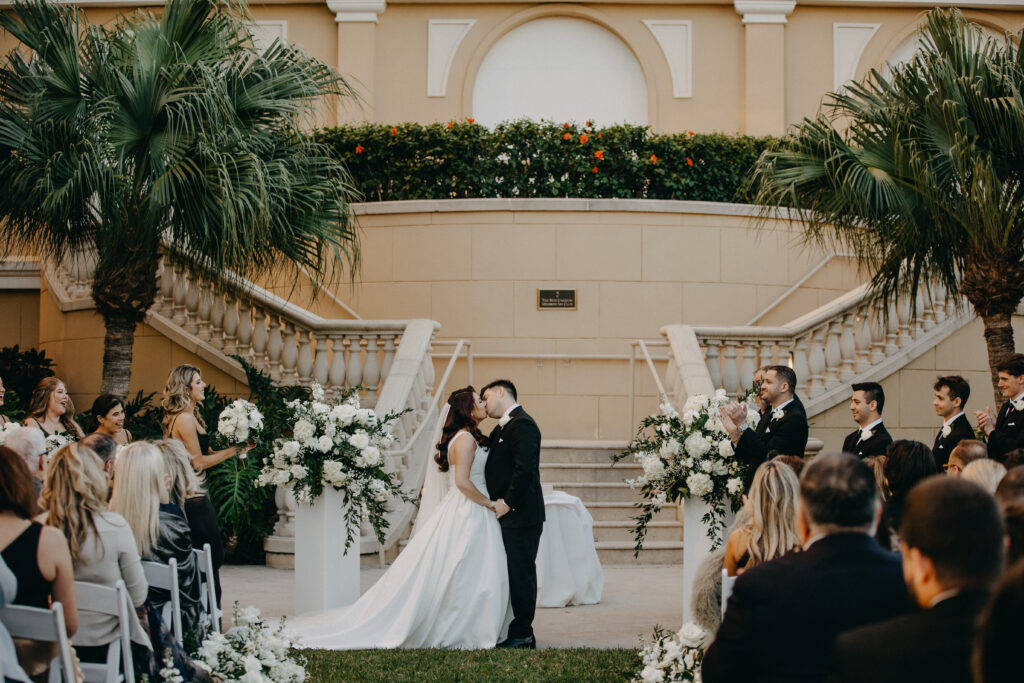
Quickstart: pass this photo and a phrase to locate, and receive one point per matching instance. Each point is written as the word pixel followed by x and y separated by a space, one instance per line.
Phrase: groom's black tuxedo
pixel 513 474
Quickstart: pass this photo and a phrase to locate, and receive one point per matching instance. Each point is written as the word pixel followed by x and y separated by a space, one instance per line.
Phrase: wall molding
pixel 675 38
pixel 444 36
pixel 849 39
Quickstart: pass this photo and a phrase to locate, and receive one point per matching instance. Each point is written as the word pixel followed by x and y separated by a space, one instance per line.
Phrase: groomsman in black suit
pixel 783 431
pixel 1006 432
pixel 951 394
pixel 952 548
pixel 872 438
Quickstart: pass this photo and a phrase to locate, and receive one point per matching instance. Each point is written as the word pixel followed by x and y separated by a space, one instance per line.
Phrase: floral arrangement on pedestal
pixel 672 656
pixel 252 651
pixel 337 443
pixel 688 456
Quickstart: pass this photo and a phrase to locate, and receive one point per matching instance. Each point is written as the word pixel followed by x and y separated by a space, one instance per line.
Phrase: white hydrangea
pixel 734 485
pixel 299 472
pixel 325 444
pixel 696 445
pixel 725 448
pixel 303 430
pixel 653 466
pixel 699 484
pixel 344 413
pixel 359 440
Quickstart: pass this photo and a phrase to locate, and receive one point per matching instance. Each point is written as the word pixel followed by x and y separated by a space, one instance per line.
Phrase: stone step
pixel 584 472
pixel 580 451
pixel 597 491
pixel 654 552
pixel 624 511
pixel 623 531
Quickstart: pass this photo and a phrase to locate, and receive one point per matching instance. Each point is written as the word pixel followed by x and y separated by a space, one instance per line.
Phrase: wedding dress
pixel 447 589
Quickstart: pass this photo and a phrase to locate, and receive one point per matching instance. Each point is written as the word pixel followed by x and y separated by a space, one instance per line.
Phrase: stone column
pixel 765 59
pixel 357 54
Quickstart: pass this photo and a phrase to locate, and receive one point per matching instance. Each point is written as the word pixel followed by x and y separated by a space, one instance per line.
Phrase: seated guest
pixel 103 550
pixel 771 530
pixel 985 473
pixel 187 493
pixel 871 436
pixel 877 465
pixel 1014 458
pixel 784 615
pixel 1001 631
pixel 784 432
pixel 1011 487
pixel 105 449
pixel 37 555
pixel 51 410
pixel 10 670
pixel 30 444
pixel 1006 431
pixel 1013 517
pixel 952 548
pixel 951 394
pixel 794 461
pixel 966 452
pixel 161 532
pixel 108 418
pixel 908 463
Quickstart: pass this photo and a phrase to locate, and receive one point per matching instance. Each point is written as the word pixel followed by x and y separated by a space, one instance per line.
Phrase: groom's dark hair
pixel 504 384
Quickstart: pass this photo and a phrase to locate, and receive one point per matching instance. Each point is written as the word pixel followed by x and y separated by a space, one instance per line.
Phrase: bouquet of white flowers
pixel 239 423
pixel 55 442
pixel 251 652
pixel 336 443
pixel 672 656
pixel 688 455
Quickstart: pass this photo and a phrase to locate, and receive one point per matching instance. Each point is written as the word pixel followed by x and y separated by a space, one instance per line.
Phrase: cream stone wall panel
pixel 591 377
pixel 20 313
pixel 437 252
pixel 521 253
pixel 472 217
pixel 390 300
pixel 965 348
pixel 674 253
pixel 472 309
pixel 924 362
pixel 531 322
pixel 377 246
pixel 765 263
pixel 718 303
pixel 561 417
pixel 638 309
pixel 614 415
pixel 597 252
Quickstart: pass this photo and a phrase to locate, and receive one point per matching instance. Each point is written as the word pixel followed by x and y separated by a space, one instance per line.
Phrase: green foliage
pixel 530 159
pixel 21 371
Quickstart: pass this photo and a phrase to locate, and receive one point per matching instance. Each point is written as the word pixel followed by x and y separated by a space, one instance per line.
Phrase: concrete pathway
pixel 636 597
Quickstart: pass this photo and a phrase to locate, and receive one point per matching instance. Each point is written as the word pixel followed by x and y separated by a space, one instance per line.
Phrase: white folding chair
pixel 208 588
pixel 92 597
pixel 47 625
pixel 165 577
pixel 727 584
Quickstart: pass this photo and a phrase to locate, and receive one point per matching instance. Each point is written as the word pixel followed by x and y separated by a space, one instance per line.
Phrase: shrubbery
pixel 461 160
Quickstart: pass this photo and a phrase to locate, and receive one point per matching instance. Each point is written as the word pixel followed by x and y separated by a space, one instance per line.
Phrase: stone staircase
pixel 585 470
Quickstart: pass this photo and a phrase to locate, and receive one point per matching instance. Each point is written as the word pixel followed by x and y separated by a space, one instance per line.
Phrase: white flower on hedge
pixel 734 485
pixel 653 467
pixel 665 429
pixel 303 430
pixel 696 445
pixel 344 413
pixel 281 477
pixel 725 448
pixel 699 484
pixel 359 440
pixel 299 472
pixel 378 490
pixel 692 635
pixel 371 456
pixel 686 462
pixel 325 444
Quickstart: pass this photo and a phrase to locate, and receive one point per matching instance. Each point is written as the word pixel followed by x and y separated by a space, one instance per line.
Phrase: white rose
pixel 303 431
pixel 670 448
pixel 699 484
pixel 299 472
pixel 696 445
pixel 365 416
pixel 359 440
pixel 325 444
pixel 691 635
pixel 344 413
pixel 371 456
pixel 725 448
pixel 290 449
pixel 689 416
pixel 734 485
pixel 317 392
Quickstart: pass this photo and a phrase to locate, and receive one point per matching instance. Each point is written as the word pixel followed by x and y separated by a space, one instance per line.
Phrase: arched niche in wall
pixel 560 68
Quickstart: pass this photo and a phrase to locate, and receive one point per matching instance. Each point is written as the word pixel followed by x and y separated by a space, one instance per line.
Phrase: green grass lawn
pixel 492 666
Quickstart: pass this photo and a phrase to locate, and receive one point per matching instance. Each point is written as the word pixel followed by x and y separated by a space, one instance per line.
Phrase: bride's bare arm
pixel 464 450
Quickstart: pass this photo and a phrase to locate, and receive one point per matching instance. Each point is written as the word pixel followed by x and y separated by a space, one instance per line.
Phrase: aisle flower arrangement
pixel 672 656
pixel 337 443
pixel 688 456
pixel 252 651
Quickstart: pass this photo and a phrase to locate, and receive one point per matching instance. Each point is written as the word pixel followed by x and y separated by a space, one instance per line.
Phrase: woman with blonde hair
pixel 103 549
pixel 51 410
pixel 771 531
pixel 184 391
pixel 142 496
pixel 986 473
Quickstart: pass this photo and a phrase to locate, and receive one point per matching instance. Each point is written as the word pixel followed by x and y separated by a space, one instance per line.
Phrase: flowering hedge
pixel 458 160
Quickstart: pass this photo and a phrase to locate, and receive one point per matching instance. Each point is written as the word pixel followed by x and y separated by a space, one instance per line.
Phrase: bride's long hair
pixel 460 416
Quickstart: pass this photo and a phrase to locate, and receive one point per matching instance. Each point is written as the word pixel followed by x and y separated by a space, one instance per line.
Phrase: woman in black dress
pixel 184 391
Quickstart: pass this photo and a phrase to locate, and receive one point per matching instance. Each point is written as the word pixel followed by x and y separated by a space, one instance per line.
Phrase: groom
pixel 513 480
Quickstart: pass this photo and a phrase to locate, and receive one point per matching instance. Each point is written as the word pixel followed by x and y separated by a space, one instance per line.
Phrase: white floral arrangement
pixel 672 656
pixel 252 651
pixel 337 443
pixel 6 429
pixel 55 442
pixel 239 423
pixel 688 456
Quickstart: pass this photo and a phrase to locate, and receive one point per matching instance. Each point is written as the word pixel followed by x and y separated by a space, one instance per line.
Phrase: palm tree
pixel 165 131
pixel 920 172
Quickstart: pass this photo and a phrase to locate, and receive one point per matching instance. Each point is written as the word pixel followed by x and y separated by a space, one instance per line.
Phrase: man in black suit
pixel 783 617
pixel 512 473
pixel 1006 432
pixel 951 394
pixel 871 437
pixel 952 547
pixel 783 432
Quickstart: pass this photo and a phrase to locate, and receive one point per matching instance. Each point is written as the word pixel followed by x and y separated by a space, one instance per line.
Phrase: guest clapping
pixel 871 436
pixel 951 394
pixel 108 414
pixel 771 530
pixel 51 410
pixel 1006 431
pixel 184 391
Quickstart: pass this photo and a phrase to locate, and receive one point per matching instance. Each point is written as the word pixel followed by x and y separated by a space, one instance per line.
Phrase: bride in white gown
pixel 449 587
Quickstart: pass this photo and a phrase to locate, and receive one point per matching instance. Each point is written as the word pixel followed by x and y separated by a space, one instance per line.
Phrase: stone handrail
pixel 852 338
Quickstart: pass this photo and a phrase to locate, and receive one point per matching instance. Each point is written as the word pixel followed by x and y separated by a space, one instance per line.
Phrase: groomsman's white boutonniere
pixel 1018 404
pixel 866 434
pixel 778 413
pixel 504 421
pixel 946 429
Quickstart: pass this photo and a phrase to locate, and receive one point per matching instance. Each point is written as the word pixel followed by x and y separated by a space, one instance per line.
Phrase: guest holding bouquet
pixel 184 391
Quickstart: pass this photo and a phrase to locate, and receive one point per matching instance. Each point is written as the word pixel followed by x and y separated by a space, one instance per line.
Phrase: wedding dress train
pixel 447 589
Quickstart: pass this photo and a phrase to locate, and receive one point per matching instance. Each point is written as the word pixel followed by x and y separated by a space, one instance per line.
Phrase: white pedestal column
pixel 696 546
pixel 326 575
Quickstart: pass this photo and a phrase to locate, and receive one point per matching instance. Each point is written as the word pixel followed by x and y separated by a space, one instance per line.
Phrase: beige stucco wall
pixel 19 311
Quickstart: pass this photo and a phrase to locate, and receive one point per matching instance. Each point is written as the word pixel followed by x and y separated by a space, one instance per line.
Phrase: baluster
pixel 767 355
pixel 847 348
pixel 730 373
pixel 244 329
pixel 305 361
pixel 354 371
pixel 217 320
pixel 800 366
pixel 939 299
pixel 180 292
pixel 230 325
pixel 712 361
pixel 371 370
pixel 833 354
pixel 879 329
pixel 903 311
pixel 926 311
pixel 259 338
pixel 166 307
pixel 892 330
pixel 749 365
pixel 275 345
pixel 389 355
pixel 204 311
pixel 816 361
pixel 191 306
pixel 320 362
pixel 290 354
pixel 336 375
pixel 862 331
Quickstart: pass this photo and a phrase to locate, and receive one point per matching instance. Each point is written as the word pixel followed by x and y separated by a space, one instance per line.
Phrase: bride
pixel 449 587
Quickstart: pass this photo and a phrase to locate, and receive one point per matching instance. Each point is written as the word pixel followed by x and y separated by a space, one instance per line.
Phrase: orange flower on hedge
pixel 359 149
pixel 594 170
pixel 599 136
pixel 588 124
pixel 690 133
pixel 689 161
pixel 471 120
pixel 565 125
pixel 394 131
pixel 584 138
pixel 567 136
pixel 451 123
pixel 654 158
pixel 599 154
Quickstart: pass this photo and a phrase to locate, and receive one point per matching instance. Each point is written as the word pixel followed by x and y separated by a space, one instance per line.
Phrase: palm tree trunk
pixel 117 352
pixel 999 340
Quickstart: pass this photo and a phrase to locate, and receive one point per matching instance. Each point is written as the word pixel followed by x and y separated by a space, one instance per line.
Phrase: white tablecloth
pixel 568 570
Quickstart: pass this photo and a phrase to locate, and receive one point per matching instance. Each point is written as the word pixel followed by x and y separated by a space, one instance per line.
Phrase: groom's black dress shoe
pixel 518 644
